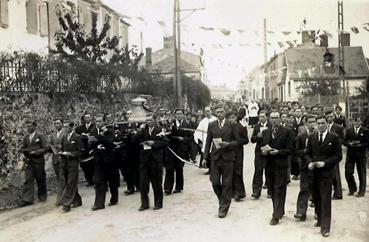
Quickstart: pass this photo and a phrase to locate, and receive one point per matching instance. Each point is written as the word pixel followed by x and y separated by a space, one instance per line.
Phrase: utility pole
pixel 341 60
pixel 266 87
pixel 177 85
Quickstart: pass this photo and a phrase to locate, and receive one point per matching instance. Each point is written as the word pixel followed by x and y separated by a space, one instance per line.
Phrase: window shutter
pixel 4 14
pixel 44 20
pixel 31 12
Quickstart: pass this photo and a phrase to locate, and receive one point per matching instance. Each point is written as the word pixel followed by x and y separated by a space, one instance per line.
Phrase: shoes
pixel 325 233
pixel 317 224
pixel 336 198
pixel 350 193
pixel 359 194
pixel 288 181
pixel 112 203
pixel 157 207
pixel 312 205
pixel 207 173
pixel 142 208
pixel 65 209
pixel 75 205
pixel 222 214
pixel 167 192
pixel 90 184
pixel 269 196
pixel 24 204
pixel 177 191
pixel 301 217
pixel 256 196
pixel 129 192
pixel 94 208
pixel 274 221
pixel 295 178
pixel 265 186
pixel 42 199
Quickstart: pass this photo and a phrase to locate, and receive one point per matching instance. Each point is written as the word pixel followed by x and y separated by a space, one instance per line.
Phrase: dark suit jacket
pixel 254 138
pixel 340 120
pixel 330 152
pixel 38 144
pixel 156 153
pixel 299 124
pixel 228 133
pixel 91 131
pixel 337 129
pixel 180 147
pixel 244 140
pixel 300 148
pixel 73 145
pixel 283 142
pixel 362 136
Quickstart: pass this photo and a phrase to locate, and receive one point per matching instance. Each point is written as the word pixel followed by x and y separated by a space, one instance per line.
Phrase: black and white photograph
pixel 184 120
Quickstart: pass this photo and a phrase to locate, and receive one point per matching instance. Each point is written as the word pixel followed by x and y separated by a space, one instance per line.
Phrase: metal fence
pixel 38 76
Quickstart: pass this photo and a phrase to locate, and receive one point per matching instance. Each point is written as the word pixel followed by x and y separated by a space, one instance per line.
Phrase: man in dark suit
pixel 106 167
pixel 55 145
pixel 153 141
pixel 306 180
pixel 221 141
pixel 277 146
pixel 337 129
pixel 34 147
pixel 238 187
pixel 179 144
pixel 323 152
pixel 70 152
pixel 339 118
pixel 357 141
pixel 299 118
pixel 259 160
pixel 85 130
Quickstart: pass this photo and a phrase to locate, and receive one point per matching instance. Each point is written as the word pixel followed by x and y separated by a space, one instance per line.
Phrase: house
pixel 30 25
pixel 161 62
pixel 286 72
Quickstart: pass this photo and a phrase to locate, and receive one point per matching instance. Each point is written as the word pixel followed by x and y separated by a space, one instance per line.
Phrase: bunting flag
pixel 281 45
pixel 226 32
pixel 161 23
pixel 220 46
pixel 207 28
pixel 286 32
pixel 240 31
pixel 355 30
pixel 141 18
pixel 269 44
pixel 289 43
pixel 366 28
pixel 201 51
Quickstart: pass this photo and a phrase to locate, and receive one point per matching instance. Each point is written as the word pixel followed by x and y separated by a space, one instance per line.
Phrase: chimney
pixel 323 40
pixel 148 57
pixel 345 39
pixel 168 42
pixel 306 35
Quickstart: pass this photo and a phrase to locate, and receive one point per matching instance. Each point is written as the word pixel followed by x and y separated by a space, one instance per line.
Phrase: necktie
pixel 220 125
pixel 31 137
pixel 356 130
pixel 274 133
pixel 69 135
pixel 320 138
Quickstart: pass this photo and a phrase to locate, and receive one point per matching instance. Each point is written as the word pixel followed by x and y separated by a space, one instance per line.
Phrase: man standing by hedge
pixel 34 147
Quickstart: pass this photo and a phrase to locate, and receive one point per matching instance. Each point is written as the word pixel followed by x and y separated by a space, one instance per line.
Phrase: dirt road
pixel 189 216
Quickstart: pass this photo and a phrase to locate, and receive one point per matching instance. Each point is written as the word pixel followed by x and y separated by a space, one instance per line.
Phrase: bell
pixel 139 114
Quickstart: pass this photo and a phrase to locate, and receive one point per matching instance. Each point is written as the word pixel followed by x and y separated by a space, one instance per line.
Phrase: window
pixel 44 19
pixel 4 13
pixel 31 12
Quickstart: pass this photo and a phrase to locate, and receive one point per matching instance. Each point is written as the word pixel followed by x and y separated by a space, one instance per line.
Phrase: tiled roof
pixel 303 62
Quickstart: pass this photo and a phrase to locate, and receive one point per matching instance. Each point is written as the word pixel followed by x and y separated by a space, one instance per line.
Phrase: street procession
pixel 170 120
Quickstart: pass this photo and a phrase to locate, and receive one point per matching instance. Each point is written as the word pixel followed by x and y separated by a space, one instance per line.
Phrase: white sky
pixel 230 64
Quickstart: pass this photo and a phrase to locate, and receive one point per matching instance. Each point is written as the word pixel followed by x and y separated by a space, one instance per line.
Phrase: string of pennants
pixel 227 32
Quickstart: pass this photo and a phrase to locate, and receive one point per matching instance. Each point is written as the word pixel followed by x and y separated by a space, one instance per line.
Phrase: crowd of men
pixel 293 141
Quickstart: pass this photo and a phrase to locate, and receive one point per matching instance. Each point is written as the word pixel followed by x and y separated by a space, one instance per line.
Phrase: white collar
pixel 263 124
pixel 324 134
